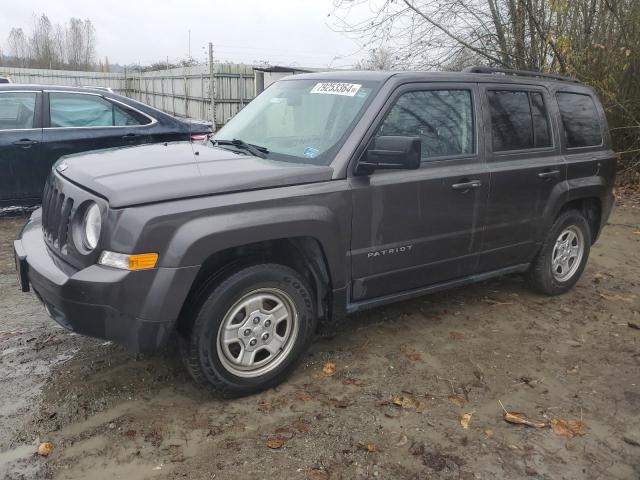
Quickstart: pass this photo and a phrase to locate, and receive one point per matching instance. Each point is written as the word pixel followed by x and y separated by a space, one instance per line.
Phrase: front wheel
pixel 250 330
pixel 563 255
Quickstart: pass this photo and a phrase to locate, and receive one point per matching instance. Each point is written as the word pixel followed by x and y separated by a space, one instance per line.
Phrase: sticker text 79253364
pixel 334 88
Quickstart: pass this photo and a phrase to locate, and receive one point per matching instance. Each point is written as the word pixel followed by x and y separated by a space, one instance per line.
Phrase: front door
pixel 20 147
pixel 416 228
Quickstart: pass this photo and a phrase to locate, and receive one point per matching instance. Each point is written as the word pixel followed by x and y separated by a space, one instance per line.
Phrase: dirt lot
pixel 405 377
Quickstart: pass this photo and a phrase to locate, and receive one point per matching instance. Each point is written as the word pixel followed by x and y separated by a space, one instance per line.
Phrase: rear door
pixel 415 228
pixel 78 122
pixel 586 152
pixel 20 147
pixel 525 166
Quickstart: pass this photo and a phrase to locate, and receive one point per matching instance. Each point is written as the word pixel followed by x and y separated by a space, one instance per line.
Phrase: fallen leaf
pixel 403 441
pixel 616 296
pixel 520 419
pixel 275 443
pixel 458 400
pixel 466 420
pixel 329 369
pixel 406 402
pixel 304 396
pixel 371 448
pixel 492 301
pixel 45 449
pixel 454 335
pixel 568 428
pixel 316 474
pixel 300 425
pixel 413 356
pixel 488 432
pixel 353 381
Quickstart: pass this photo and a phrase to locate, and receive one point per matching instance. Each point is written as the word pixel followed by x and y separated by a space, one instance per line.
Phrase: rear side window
pixel 519 120
pixel 78 110
pixel 580 120
pixel 17 110
pixel 442 119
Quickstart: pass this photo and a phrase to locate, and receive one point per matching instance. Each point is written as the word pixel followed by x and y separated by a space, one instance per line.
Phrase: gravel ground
pixel 407 377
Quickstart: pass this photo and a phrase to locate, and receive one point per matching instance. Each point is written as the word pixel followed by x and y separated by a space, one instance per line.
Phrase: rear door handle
pixel 466 184
pixel 549 174
pixel 25 143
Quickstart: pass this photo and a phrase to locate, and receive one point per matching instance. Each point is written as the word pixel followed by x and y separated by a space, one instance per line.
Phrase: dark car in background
pixel 39 124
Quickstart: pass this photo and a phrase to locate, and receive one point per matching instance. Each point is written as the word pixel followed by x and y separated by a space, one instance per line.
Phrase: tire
pixel 550 279
pixel 249 330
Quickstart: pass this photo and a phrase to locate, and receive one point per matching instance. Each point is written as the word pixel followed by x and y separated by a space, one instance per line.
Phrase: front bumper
pixel 134 309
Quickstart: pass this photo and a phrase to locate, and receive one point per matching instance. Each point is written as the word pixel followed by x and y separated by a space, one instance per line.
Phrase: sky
pixel 282 32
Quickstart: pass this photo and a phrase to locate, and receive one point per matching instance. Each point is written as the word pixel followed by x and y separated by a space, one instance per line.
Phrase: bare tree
pixel 378 59
pixel 18 46
pixel 54 45
pixel 75 43
pixel 42 42
pixel 89 53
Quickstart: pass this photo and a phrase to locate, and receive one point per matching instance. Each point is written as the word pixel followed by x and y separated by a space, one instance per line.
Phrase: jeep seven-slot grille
pixel 56 214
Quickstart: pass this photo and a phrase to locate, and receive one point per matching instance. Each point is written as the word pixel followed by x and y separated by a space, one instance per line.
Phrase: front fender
pixel 199 238
pixel 188 232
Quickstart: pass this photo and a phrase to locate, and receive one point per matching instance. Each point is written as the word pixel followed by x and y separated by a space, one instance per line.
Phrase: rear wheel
pixel 250 330
pixel 563 255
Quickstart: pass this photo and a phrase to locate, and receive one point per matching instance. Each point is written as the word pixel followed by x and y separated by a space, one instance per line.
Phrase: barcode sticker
pixel 333 88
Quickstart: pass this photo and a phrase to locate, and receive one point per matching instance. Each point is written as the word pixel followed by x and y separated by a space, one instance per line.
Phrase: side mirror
pixel 391 152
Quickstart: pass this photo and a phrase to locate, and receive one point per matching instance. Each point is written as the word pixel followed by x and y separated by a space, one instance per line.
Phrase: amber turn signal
pixel 141 261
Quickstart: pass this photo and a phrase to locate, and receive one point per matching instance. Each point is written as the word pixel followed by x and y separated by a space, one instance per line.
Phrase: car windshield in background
pixel 303 121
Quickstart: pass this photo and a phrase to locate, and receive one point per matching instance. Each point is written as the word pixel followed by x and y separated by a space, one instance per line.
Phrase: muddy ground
pixel 405 376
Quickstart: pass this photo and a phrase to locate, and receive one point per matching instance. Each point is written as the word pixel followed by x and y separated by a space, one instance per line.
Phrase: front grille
pixel 56 215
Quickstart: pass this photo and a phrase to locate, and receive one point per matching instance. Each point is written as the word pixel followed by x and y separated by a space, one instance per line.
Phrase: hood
pixel 168 171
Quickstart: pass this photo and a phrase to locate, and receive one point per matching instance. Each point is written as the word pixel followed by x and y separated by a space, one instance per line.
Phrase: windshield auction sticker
pixel 333 88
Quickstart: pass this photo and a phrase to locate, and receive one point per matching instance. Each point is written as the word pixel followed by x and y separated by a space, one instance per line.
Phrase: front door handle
pixel 25 143
pixel 130 136
pixel 549 174
pixel 466 184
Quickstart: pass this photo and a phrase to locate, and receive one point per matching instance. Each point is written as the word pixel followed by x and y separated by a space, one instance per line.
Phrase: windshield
pixel 302 121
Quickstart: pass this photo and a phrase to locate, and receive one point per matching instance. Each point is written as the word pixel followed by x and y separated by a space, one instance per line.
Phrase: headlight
pixel 91 226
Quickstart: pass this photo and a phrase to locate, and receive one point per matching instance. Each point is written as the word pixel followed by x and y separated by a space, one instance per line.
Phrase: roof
pixel 420 76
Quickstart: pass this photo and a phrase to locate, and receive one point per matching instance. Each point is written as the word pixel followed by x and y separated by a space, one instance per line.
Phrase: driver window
pixel 442 119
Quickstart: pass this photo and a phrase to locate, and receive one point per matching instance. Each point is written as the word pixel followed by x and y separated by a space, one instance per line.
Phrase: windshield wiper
pixel 255 150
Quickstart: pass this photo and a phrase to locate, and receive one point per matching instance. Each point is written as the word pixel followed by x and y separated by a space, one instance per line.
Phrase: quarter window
pixel 17 110
pixel 442 119
pixel 519 120
pixel 580 120
pixel 77 110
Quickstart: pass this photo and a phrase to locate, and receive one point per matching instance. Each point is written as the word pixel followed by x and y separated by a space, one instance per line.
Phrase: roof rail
pixel 520 73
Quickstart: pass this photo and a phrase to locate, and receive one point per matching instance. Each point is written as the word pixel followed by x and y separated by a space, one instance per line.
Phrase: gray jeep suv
pixel 328 194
